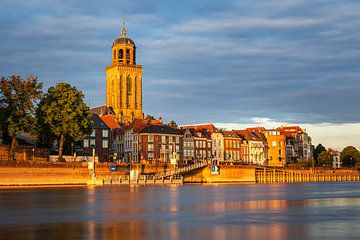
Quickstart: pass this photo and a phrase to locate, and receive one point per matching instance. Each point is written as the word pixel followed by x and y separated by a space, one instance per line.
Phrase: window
pixel 92 133
pixel 279 151
pixel 150 147
pixel 128 85
pixel 177 139
pixel 274 144
pixel 150 138
pixel 177 148
pixel 279 144
pixel 150 156
pixel 86 143
pixel 105 133
pixel 105 143
pixel 214 143
pixel 92 142
pixel 163 139
pixel 121 54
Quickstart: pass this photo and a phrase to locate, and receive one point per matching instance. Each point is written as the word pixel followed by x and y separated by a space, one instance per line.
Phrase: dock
pixel 271 175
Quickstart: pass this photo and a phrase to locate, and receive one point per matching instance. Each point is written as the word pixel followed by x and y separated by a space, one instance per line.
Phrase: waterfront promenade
pixel 21 174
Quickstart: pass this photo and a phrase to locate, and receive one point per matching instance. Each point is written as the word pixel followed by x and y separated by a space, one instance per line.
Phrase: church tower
pixel 124 80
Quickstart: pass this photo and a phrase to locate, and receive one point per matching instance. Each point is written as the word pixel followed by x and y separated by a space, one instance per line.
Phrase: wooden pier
pixel 272 175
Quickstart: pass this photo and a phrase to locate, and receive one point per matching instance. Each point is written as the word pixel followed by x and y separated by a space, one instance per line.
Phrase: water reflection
pixel 278 211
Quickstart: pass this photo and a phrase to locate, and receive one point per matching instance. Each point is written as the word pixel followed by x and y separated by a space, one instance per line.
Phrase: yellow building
pixel 276 147
pixel 124 80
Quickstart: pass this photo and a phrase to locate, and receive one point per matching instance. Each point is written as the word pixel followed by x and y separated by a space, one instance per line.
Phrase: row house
pixel 298 143
pixel 276 147
pixel 131 139
pixel 232 147
pixel 197 145
pixel 217 147
pixel 159 144
pixel 116 136
pixel 254 146
pixel 100 139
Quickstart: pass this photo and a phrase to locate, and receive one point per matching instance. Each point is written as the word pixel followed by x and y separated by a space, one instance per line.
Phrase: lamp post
pixel 33 154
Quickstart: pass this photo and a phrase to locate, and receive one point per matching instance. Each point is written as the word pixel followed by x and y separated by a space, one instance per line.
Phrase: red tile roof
pixel 210 128
pixel 110 121
pixel 138 124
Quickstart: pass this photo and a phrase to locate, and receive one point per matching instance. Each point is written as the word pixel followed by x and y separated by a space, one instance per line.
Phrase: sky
pixel 232 63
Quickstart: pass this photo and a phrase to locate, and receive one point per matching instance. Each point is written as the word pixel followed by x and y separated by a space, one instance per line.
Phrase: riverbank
pixel 44 173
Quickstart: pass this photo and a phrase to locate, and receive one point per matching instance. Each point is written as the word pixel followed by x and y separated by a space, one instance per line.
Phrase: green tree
pixel 319 149
pixel 172 124
pixel 350 156
pixel 325 159
pixel 65 114
pixel 149 117
pixel 18 98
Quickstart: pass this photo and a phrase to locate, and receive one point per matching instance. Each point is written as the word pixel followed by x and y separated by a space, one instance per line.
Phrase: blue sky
pixel 227 62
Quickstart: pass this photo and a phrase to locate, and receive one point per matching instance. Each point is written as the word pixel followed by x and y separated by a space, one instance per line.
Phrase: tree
pixel 319 149
pixel 350 156
pixel 18 99
pixel 66 115
pixel 149 117
pixel 325 159
pixel 172 124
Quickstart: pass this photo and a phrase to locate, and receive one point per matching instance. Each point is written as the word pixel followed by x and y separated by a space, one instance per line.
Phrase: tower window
pixel 121 55
pixel 127 56
pixel 114 55
pixel 128 85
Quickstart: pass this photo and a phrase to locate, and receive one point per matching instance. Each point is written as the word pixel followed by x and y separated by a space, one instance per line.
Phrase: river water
pixel 224 211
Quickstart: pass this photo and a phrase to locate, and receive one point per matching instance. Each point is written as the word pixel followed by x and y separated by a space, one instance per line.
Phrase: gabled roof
pixel 103 109
pixel 290 131
pixel 138 124
pixel 230 134
pixel 243 133
pixel 97 122
pixel 110 121
pixel 256 129
pixel 164 129
pixel 210 128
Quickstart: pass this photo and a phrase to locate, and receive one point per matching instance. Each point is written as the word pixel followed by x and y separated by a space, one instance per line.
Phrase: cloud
pixel 216 25
pixel 290 61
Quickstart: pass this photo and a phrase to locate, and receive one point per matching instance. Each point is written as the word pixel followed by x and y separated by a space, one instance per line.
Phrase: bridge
pixel 181 170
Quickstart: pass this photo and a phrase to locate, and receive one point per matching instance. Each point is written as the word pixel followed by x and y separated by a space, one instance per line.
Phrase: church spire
pixel 123 28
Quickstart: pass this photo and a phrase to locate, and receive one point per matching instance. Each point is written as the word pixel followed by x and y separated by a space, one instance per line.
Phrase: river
pixel 223 211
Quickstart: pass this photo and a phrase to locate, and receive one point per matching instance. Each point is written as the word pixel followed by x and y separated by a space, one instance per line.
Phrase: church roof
pixel 124 40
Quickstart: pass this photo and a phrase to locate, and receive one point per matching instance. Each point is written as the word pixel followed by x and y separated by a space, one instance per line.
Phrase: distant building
pixel 232 147
pixel 99 139
pixel 254 145
pixel 217 147
pixel 116 136
pixel 197 145
pixel 276 147
pixel 160 143
pixel 298 143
